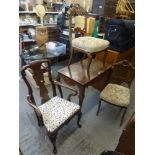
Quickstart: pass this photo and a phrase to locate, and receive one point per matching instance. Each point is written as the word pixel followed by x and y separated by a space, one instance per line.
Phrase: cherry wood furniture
pixel 76 74
pixel 54 113
pixel 126 143
pixel 113 56
pixel 85 44
pixel 114 93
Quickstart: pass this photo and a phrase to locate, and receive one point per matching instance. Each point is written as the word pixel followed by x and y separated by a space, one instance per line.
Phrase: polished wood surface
pixel 115 56
pixel 78 71
pixel 126 143
pixel 76 74
pixel 38 68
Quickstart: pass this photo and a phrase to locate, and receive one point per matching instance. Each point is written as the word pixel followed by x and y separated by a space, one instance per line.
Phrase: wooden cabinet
pixel 115 56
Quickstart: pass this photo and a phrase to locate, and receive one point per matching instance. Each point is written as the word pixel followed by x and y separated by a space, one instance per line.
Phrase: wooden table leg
pixel 81 95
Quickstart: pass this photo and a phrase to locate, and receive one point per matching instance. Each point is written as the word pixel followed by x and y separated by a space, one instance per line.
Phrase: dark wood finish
pixel 126 143
pixel 120 72
pixel 76 74
pixel 53 33
pixel 38 68
pixel 76 10
pixel 115 56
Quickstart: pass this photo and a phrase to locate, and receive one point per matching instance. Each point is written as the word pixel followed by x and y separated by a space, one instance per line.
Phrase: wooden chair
pixel 84 44
pixel 114 93
pixel 56 111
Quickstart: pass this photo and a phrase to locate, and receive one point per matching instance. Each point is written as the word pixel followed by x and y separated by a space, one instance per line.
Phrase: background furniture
pixel 126 143
pixel 76 74
pixel 114 93
pixel 55 112
pixel 124 9
pixel 28 21
pixel 53 54
pixel 113 56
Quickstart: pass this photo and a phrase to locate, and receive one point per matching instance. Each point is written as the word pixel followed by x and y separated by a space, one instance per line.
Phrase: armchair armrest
pixel 36 109
pixel 65 86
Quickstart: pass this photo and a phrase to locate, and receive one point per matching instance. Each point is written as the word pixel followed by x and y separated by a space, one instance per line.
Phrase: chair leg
pixel 53 140
pixel 71 56
pixel 78 120
pixel 99 105
pixel 120 110
pixel 123 116
pixel 89 63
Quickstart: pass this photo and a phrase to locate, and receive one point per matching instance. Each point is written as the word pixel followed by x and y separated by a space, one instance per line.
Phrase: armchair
pixel 54 112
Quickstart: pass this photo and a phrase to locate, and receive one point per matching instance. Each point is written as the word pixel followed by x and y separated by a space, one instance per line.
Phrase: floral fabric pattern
pixel 56 111
pixel 90 44
pixel 116 94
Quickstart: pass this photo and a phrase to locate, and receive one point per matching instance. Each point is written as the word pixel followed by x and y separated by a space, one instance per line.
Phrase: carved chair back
pixel 121 72
pixel 76 10
pixel 38 68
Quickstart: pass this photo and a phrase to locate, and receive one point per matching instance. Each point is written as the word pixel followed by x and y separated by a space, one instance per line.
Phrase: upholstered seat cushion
pixel 116 94
pixel 56 111
pixel 90 44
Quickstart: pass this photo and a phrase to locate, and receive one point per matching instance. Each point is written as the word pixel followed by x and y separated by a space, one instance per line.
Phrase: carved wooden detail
pixel 39 78
pixel 76 10
pixel 38 68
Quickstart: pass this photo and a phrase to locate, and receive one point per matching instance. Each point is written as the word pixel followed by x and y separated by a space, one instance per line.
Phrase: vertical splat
pixel 39 79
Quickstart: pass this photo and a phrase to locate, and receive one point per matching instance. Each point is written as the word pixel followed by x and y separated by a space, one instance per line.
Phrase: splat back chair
pixel 54 112
pixel 84 44
pixel 115 93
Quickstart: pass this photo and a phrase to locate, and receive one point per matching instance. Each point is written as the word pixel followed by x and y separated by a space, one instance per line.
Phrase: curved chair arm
pixel 65 86
pixel 36 109
pixel 125 63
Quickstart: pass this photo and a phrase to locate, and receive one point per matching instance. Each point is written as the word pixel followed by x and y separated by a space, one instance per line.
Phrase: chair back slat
pixel 123 71
pixel 77 10
pixel 38 68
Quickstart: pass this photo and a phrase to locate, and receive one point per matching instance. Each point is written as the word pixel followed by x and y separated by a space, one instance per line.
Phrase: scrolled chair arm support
pixel 65 86
pixel 125 63
pixel 37 110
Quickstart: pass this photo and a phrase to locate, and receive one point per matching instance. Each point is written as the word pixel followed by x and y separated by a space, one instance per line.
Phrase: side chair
pixel 54 112
pixel 85 44
pixel 114 93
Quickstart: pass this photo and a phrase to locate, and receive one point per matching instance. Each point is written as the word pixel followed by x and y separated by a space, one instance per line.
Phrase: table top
pixel 78 71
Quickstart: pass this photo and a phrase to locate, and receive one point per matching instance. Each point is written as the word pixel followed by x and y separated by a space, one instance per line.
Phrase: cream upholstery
pixel 29 75
pixel 116 94
pixel 90 44
pixel 56 111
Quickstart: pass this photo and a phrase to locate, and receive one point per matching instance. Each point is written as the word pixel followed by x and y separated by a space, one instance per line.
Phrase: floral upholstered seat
pixel 56 111
pixel 116 94
pixel 90 44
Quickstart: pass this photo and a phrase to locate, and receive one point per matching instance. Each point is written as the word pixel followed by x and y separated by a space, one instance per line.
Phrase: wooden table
pixel 76 74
